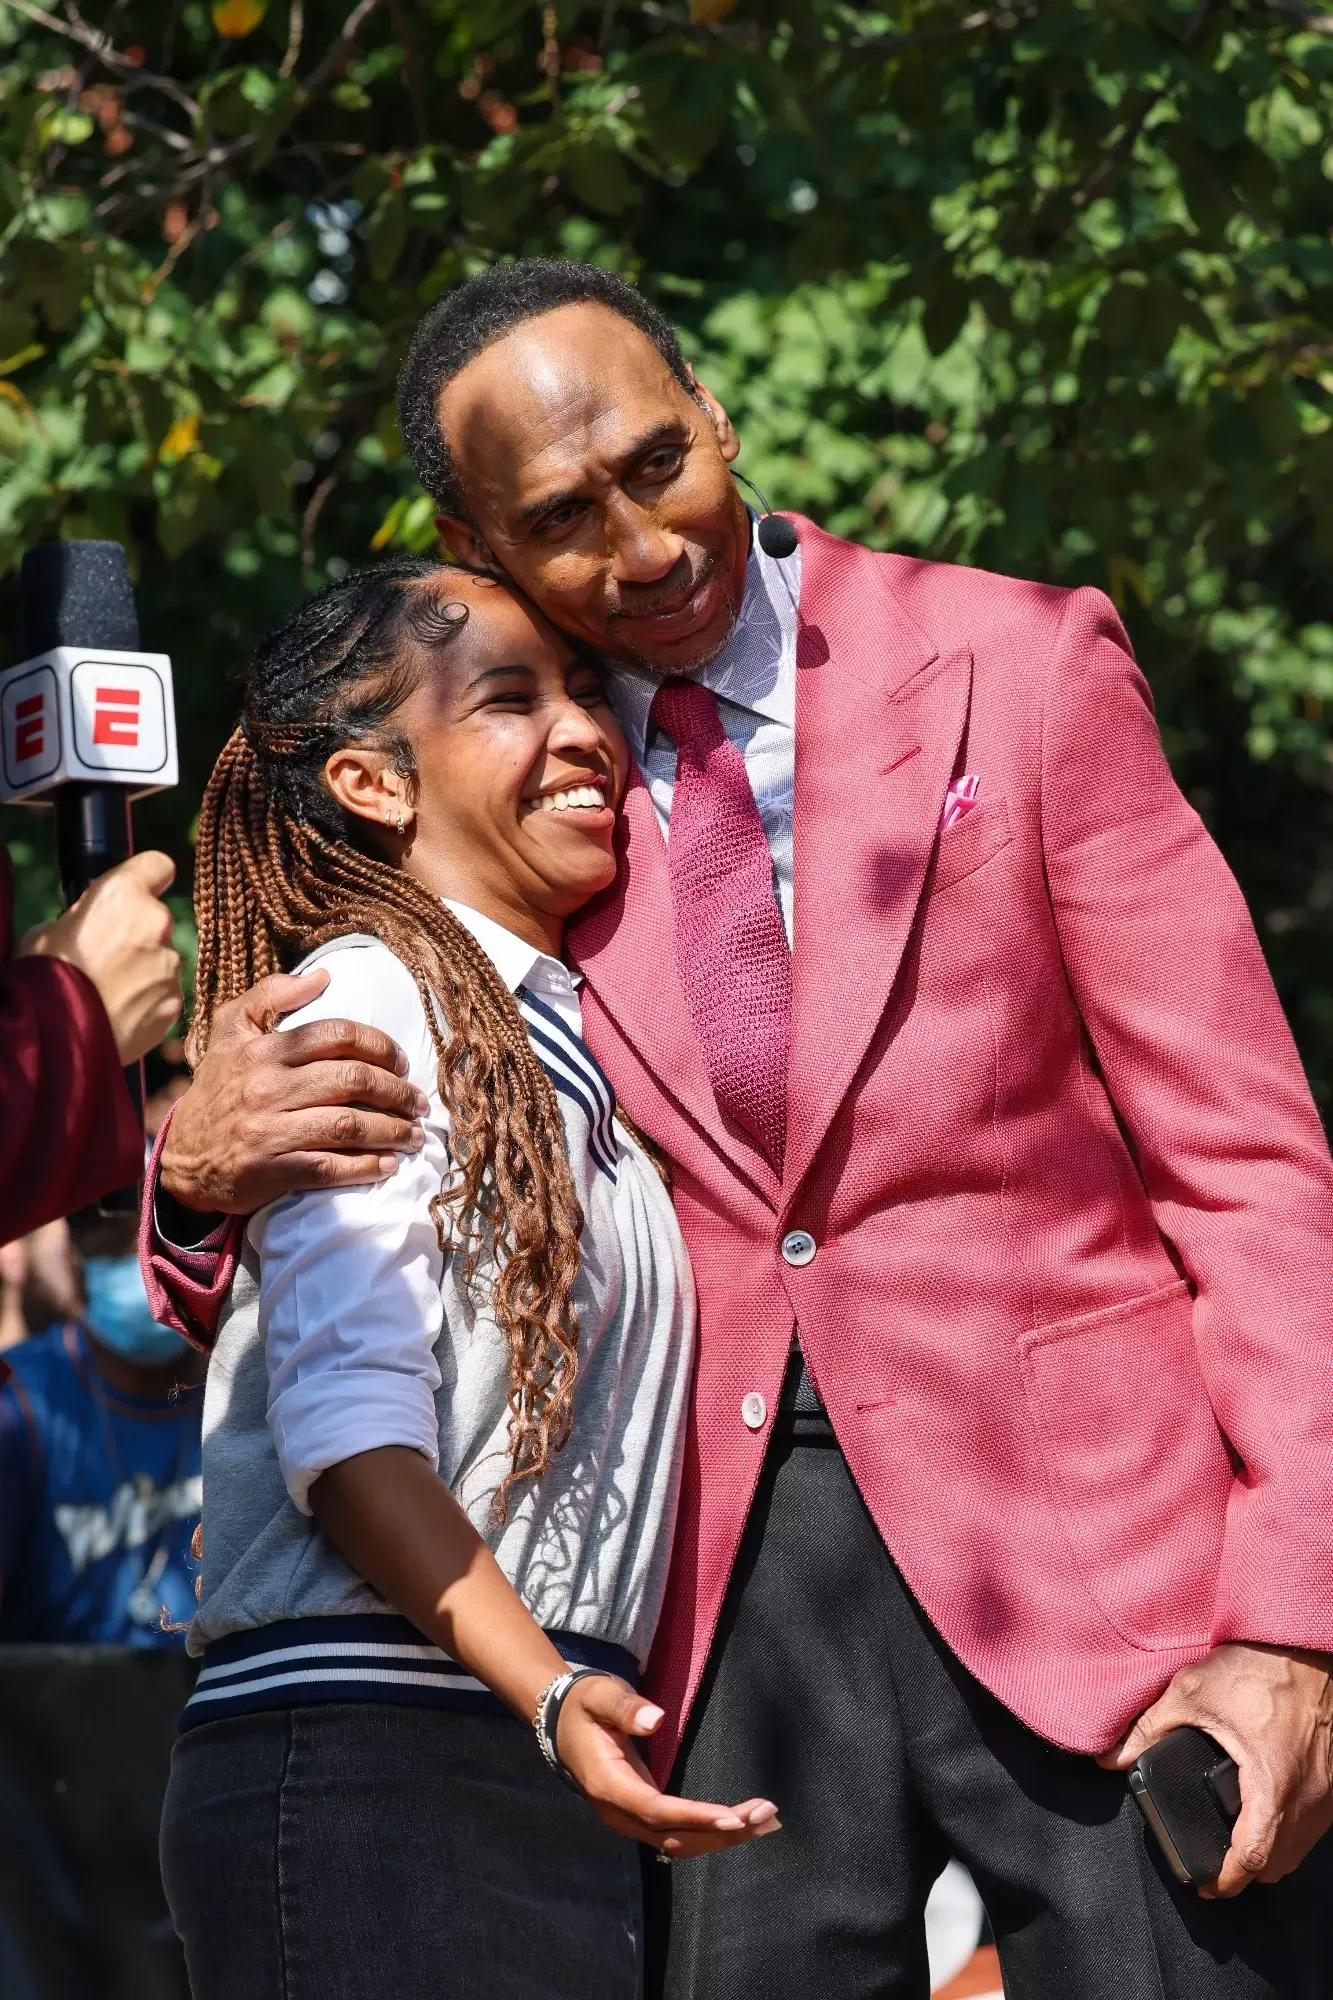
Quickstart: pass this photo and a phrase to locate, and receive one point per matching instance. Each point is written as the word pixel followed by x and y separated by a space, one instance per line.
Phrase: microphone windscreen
pixel 76 594
pixel 777 537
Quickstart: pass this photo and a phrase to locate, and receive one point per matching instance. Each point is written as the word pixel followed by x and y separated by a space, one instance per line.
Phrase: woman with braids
pixel 444 1414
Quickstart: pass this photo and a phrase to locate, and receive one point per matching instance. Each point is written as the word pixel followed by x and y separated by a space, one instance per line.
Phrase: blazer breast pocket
pixel 971 843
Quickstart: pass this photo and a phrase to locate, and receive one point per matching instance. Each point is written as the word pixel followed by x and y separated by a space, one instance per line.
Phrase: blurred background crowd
pixel 99 1433
pixel 99 1502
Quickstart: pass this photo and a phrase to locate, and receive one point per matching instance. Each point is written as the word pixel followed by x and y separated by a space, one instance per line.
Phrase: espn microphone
pixel 87 721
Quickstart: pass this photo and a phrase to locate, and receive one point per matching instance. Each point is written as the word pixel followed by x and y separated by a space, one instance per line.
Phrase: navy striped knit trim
pixel 575 1074
pixel 367 1656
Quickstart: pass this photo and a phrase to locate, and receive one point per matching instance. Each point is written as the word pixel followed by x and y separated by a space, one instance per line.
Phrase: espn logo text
pixel 116 716
pixel 29 728
pixel 74 716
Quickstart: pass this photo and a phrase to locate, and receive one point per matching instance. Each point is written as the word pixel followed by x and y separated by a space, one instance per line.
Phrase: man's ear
pixel 728 442
pixel 463 543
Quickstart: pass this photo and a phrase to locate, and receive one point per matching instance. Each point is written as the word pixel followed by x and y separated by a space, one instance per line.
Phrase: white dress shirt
pixel 521 964
pixel 754 679
pixel 372 1339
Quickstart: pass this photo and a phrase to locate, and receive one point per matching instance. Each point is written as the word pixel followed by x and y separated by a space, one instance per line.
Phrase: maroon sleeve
pixel 186 1287
pixel 68 1128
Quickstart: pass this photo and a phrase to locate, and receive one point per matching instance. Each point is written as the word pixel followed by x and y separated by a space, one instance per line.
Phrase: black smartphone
pixel 1188 1790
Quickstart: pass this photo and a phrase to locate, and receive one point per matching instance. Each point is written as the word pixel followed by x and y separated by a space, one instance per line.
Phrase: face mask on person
pixel 119 1316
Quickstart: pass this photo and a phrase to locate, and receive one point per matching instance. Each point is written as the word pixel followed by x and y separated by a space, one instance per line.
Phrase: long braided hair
pixel 281 868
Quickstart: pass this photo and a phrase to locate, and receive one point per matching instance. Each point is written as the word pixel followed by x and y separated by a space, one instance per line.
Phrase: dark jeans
pixel 828 1692
pixel 372 1851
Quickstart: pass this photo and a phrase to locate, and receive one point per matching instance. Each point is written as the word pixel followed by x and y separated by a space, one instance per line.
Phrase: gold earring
pixel 402 824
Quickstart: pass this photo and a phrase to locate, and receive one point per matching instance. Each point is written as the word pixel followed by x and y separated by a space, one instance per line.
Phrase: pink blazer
pixel 1071 1305
pixel 1071 1310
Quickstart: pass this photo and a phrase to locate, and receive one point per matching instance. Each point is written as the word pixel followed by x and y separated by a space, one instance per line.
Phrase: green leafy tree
pixel 1046 287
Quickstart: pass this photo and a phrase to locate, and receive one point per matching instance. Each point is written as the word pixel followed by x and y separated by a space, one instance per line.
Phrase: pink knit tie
pixel 731 948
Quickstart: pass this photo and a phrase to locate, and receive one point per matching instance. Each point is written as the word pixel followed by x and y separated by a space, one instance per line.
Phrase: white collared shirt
pixel 521 964
pixel 372 1338
pixel 754 679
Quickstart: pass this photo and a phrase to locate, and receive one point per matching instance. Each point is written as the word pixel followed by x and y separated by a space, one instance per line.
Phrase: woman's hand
pixel 400 1527
pixel 599 1716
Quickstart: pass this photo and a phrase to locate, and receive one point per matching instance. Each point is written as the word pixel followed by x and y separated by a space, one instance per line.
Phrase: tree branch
pixel 325 71
pixel 1117 154
pixel 195 164
pixel 100 45
pixel 176 140
pixel 248 257
pixel 414 90
pixel 1312 22
pixel 150 196
pixel 174 254
pixel 310 519
pixel 998 21
pixel 972 24
pixel 295 33
pixel 362 423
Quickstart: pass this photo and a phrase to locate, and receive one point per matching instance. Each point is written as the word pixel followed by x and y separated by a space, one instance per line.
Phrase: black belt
pixel 801 1417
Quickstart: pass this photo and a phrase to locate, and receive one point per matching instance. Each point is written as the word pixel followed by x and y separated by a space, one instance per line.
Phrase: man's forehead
pixel 536 405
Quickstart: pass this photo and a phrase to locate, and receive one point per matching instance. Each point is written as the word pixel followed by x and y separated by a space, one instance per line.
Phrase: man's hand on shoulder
pixel 324 1105
pixel 1273 1712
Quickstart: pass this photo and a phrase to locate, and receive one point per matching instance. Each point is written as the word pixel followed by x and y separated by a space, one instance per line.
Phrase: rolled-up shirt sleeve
pixel 350 1301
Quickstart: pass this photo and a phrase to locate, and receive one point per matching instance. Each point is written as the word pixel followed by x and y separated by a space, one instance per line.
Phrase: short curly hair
pixel 463 322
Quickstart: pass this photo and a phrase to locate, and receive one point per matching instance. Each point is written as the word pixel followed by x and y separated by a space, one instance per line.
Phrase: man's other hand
pixel 324 1105
pixel 119 934
pixel 1273 1712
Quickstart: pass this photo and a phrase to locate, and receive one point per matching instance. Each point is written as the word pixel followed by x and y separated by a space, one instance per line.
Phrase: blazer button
pixel 799 1246
pixel 754 1411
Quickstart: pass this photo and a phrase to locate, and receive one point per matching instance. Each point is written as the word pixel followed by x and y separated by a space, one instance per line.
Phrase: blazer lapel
pixel 624 945
pixel 879 719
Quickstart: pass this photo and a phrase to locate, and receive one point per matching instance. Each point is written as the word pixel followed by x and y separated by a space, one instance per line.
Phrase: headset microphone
pixel 87 721
pixel 776 535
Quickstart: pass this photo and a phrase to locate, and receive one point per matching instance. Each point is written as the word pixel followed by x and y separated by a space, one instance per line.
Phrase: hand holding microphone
pixel 87 725
pixel 119 934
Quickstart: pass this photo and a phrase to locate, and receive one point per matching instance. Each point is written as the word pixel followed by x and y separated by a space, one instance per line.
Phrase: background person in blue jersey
pixel 99 1464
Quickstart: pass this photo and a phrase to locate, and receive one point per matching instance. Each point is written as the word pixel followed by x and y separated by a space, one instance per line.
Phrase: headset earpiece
pixel 777 537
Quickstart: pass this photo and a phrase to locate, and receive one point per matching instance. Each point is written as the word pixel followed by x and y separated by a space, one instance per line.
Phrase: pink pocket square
pixel 960 801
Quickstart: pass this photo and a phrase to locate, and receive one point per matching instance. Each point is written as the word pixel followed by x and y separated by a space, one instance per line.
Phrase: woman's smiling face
pixel 520 765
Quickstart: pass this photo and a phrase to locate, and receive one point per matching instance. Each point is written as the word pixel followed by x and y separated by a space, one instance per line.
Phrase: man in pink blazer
pixel 1011 1214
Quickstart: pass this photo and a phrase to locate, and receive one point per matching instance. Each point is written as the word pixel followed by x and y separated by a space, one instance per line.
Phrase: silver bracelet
pixel 546 1719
